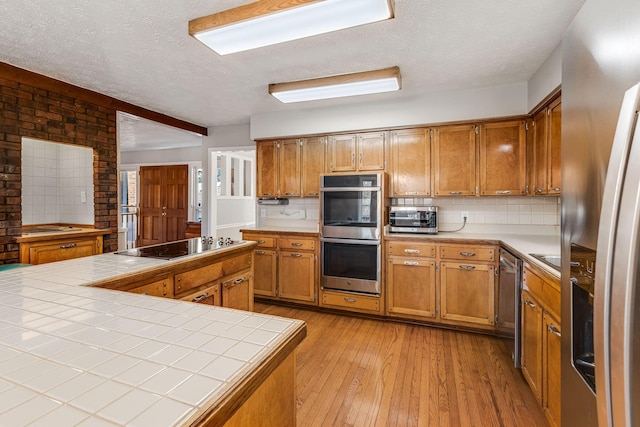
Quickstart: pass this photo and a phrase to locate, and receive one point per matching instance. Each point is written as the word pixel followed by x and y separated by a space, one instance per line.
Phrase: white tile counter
pixel 77 355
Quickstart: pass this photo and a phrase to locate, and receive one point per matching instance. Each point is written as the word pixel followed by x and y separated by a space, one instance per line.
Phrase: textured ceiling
pixel 140 51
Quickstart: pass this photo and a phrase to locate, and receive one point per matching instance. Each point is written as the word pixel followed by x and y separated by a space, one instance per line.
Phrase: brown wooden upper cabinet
pixel 454 160
pixel 356 152
pixel 503 159
pixel 546 150
pixel 290 167
pixel 410 165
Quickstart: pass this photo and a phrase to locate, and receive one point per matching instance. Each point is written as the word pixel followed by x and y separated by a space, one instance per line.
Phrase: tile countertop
pixel 77 355
pixel 521 244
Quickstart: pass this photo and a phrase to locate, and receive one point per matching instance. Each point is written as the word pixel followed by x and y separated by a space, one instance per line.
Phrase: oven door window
pixel 350 208
pixel 347 260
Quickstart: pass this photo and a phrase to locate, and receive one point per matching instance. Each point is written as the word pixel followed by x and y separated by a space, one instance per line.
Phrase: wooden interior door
pixel 164 196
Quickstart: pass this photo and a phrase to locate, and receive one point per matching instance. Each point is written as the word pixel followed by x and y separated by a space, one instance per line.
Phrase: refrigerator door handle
pixel 609 331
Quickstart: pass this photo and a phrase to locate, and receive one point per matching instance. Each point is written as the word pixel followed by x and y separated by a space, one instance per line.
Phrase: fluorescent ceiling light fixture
pixel 267 22
pixel 368 82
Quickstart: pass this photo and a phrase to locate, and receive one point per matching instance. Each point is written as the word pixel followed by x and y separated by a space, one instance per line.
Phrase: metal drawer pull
pixel 529 303
pixel 556 188
pixel 552 329
pixel 68 245
pixel 467 253
pixel 455 192
pixel 296 255
pixel 410 193
pixel 412 251
pixel 313 193
pixel 240 280
pixel 200 297
pixel 296 244
pixel 411 263
pixel 503 192
pixel 467 267
pixel 261 242
pixel 231 284
pixel 260 252
pixel 347 299
pixel 574 264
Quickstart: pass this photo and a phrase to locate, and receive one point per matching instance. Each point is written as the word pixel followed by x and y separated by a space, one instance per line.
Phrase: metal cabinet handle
pixel 529 303
pixel 231 284
pixel 467 267
pixel 313 193
pixel 539 190
pixel 556 189
pixel 261 242
pixel 297 244
pixel 574 264
pixel 554 330
pixel 296 255
pixel 410 193
pixel 200 297
pixel 503 192
pixel 353 158
pixel 455 192
pixel 290 193
pixel 260 252
pixel 467 253
pixel 68 246
pixel 411 263
pixel 267 194
pixel 352 300
pixel 412 251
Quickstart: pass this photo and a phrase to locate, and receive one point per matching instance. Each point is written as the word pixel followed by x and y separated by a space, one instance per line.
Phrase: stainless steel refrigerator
pixel 601 216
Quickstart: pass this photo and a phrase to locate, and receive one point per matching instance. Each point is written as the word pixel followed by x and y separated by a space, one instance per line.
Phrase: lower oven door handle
pixel 351 241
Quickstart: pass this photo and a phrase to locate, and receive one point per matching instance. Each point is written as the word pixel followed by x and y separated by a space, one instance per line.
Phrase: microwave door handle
pixel 603 340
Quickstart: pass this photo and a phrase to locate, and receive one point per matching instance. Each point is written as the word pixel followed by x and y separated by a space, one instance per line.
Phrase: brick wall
pixel 37 111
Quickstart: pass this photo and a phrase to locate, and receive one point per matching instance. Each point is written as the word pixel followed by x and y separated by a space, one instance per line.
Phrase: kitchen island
pixel 75 354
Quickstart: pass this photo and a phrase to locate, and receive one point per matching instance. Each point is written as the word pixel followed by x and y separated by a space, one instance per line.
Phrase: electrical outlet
pixel 465 215
pixel 83 197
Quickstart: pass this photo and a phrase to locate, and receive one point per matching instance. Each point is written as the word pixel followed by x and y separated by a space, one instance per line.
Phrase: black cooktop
pixel 179 248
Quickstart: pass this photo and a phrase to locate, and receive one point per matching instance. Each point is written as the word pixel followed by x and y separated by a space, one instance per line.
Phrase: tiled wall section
pixel 492 210
pixel 54 176
pixel 482 211
pixel 38 107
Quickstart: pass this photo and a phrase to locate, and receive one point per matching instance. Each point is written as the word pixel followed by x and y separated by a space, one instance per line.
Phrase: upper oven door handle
pixel 351 241
pixel 334 189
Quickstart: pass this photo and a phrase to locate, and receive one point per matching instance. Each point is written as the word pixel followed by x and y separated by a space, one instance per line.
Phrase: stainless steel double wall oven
pixel 351 219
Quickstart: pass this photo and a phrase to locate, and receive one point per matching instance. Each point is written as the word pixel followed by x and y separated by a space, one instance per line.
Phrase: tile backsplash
pixel 57 183
pixel 492 210
pixel 483 211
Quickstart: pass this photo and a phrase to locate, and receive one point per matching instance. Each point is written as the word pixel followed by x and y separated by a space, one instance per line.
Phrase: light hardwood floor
pixel 361 372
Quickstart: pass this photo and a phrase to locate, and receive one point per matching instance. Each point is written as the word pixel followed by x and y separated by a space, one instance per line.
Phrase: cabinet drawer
pixel 543 291
pixel 159 288
pixel 197 277
pixel 468 252
pixel 300 244
pixel 62 250
pixel 263 241
pixel 351 302
pixel 417 249
pixel 209 296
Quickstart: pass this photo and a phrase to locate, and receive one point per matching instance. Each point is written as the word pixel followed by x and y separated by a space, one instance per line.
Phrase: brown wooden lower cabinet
pixel 467 293
pixel 237 291
pixel 286 266
pixel 209 296
pixel 351 302
pixel 541 340
pixel 411 287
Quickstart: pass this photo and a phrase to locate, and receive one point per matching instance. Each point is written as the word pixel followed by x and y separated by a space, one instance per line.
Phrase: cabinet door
pixel 540 156
pixel 237 292
pixel 296 275
pixel 551 369
pixel 467 293
pixel 454 160
pixel 265 272
pixel 370 148
pixel 503 158
pixel 267 168
pixel 532 343
pixel 410 162
pixel 341 153
pixel 411 287
pixel 289 168
pixel 313 161
pixel 555 125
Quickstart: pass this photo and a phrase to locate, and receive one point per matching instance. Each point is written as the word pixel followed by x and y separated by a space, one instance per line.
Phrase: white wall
pixel 546 79
pixel 435 107
pixel 161 157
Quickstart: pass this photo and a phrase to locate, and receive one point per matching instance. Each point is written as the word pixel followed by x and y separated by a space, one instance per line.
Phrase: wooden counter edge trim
pixel 43 237
pixel 235 397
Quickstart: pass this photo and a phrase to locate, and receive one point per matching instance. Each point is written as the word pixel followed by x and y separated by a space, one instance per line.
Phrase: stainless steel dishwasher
pixel 509 288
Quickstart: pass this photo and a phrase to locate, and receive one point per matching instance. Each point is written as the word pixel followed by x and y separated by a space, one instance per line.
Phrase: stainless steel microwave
pixel 413 219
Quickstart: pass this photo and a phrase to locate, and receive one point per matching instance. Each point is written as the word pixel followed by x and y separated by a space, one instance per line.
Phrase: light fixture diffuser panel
pixel 338 90
pixel 294 23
